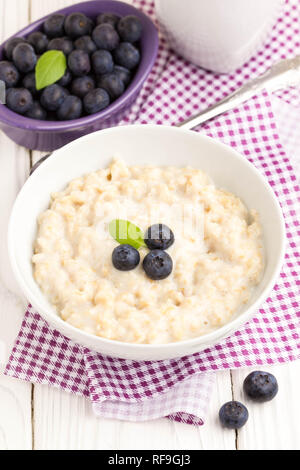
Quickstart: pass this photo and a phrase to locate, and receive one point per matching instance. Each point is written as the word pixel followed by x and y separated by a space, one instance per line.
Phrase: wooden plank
pixel 15 397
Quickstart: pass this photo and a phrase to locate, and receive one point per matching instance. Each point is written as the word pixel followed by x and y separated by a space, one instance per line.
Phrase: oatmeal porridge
pixel 217 254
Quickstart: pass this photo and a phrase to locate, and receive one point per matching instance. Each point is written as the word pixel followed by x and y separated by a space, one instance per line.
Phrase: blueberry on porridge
pixel 159 237
pixel 158 265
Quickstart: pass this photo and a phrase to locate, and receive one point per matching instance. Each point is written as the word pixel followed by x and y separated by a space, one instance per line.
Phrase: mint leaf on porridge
pixel 126 233
pixel 50 68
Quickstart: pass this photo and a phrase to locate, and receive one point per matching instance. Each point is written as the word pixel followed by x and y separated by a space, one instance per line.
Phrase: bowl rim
pixel 13 119
pixel 210 338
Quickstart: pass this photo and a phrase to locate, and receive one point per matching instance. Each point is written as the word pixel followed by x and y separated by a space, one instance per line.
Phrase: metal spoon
pixel 281 75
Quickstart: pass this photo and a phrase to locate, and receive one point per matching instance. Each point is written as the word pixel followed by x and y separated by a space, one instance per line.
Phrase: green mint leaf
pixel 50 68
pixel 126 233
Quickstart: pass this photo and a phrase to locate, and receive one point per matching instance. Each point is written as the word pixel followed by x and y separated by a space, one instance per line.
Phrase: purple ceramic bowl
pixel 51 135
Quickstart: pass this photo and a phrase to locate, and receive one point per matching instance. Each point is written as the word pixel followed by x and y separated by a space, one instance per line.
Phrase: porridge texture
pixel 217 254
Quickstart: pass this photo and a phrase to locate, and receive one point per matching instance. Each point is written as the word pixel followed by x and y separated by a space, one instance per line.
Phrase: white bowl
pixel 144 145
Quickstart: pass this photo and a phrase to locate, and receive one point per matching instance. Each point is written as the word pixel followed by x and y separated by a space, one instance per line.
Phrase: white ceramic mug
pixel 218 35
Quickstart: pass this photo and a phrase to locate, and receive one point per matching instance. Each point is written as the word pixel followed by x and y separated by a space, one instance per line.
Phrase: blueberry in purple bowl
pixel 38 119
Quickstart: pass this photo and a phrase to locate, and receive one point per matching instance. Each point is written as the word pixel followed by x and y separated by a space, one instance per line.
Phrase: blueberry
pixel 85 43
pixel 54 26
pixel 19 100
pixel 66 79
pixel 127 55
pixel 51 116
pixel 112 84
pixel 79 63
pixel 81 86
pixel 261 386
pixel 124 74
pixel 130 28
pixel 53 97
pixel 9 74
pixel 106 37
pixel 38 41
pixel 159 237
pixel 29 83
pixel 102 62
pixel 24 57
pixel 125 258
pixel 91 26
pixel 233 415
pixel 61 44
pixel 37 112
pixel 10 45
pixel 158 265
pixel 70 109
pixel 96 100
pixel 76 25
pixel 108 18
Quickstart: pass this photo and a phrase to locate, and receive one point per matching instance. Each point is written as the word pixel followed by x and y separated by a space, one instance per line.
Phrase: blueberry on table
pixel 54 26
pixel 112 84
pixel 81 86
pixel 19 100
pixel 10 45
pixel 38 41
pixel 79 63
pixel 37 112
pixel 24 57
pixel 61 44
pixel 125 258
pixel 233 415
pixel 51 116
pixel 130 28
pixel 9 74
pixel 76 25
pixel 96 100
pixel 66 79
pixel 260 386
pixel 53 97
pixel 159 237
pixel 123 73
pixel 106 37
pixel 102 62
pixel 158 265
pixel 127 55
pixel 108 18
pixel 30 83
pixel 85 43
pixel 70 109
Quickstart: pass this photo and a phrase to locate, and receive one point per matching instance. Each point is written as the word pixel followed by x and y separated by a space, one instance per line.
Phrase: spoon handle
pixel 281 75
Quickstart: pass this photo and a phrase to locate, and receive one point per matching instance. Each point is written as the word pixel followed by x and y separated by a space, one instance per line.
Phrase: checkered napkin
pixel 180 389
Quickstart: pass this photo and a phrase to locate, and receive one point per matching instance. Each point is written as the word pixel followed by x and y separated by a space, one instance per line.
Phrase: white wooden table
pixel 39 417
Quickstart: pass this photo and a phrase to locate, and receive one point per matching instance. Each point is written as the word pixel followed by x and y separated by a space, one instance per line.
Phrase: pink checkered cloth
pixel 180 389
